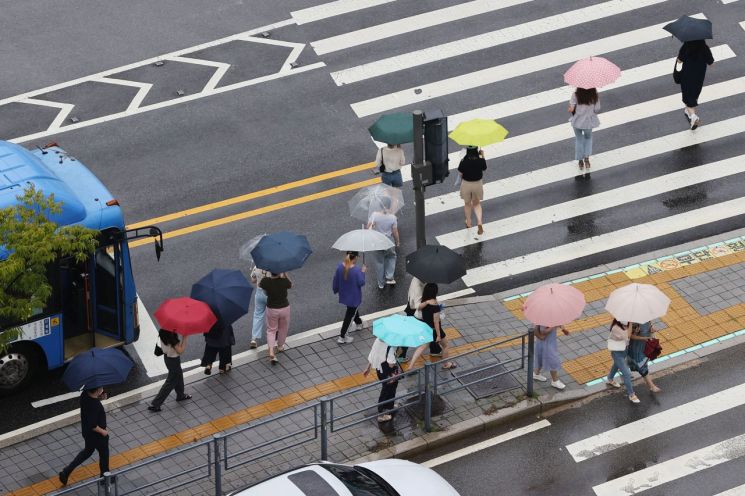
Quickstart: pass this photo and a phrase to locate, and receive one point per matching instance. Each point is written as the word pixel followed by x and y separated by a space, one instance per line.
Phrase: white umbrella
pixel 637 303
pixel 375 198
pixel 363 240
pixel 245 251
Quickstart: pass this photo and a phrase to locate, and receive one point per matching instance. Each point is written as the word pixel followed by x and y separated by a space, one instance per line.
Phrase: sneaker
pixel 154 408
pixel 435 354
pixel 345 339
pixel 581 165
pixel 390 282
pixel 539 377
pixel 385 418
pixel 63 478
pixel 381 286
pixel 184 397
pixel 587 162
pixel 402 360
pixel 695 121
pixel 634 399
pixel 360 326
pixel 253 344
pixel 688 117
pixel 612 384
pixel 558 385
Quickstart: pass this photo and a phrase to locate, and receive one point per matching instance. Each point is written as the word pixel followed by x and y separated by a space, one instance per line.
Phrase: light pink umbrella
pixel 553 305
pixel 594 72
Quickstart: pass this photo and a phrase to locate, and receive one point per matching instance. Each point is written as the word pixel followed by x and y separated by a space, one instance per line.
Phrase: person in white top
pixel 383 359
pixel 618 340
pixel 173 346
pixel 259 319
pixel 389 161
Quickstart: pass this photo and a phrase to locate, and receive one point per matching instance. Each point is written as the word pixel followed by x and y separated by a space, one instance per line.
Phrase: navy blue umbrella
pixel 690 29
pixel 281 252
pixel 227 292
pixel 96 368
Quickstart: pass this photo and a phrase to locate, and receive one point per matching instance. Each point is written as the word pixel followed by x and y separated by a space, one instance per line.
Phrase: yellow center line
pixel 251 196
pixel 258 211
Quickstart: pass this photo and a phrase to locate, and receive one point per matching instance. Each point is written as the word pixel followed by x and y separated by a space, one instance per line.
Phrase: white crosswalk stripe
pixel 613 41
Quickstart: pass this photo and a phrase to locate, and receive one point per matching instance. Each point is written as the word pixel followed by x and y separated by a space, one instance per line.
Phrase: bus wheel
pixel 17 368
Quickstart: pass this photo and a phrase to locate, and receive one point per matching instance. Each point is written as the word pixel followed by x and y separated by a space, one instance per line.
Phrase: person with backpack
pixel 618 341
pixel 389 161
pixel 347 283
pixel 638 360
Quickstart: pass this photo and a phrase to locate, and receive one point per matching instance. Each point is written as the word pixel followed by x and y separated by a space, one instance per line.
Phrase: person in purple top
pixel 347 283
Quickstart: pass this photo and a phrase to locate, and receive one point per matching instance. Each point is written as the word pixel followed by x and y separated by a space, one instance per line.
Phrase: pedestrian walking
pixel 389 161
pixel 584 106
pixel 385 222
pixel 695 57
pixel 618 341
pixel 471 170
pixel 218 342
pixel 347 283
pixel 430 309
pixel 259 318
pixel 277 312
pixel 173 346
pixel 383 359
pixel 95 434
pixel 547 354
pixel 638 361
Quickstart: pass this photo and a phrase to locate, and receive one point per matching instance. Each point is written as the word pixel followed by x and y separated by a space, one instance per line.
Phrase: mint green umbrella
pixel 393 129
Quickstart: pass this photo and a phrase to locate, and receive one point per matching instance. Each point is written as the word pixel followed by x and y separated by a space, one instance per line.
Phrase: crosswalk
pixel 644 152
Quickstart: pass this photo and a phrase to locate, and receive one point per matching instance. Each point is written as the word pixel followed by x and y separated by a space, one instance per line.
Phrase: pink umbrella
pixel 594 72
pixel 553 305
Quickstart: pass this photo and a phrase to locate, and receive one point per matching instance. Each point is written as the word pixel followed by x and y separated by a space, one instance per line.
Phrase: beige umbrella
pixel 637 303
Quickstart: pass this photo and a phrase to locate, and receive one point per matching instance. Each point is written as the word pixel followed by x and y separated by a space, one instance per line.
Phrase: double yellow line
pixel 252 196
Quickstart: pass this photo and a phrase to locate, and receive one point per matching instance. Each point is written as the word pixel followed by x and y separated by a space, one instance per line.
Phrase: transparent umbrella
pixel 245 251
pixel 376 198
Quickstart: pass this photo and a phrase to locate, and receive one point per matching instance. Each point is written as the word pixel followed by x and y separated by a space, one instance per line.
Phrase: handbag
pixel 158 350
pixel 652 348
pixel 676 73
pixel 382 163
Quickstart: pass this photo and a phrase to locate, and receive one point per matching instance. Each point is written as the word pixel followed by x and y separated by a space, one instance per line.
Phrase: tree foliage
pixel 32 241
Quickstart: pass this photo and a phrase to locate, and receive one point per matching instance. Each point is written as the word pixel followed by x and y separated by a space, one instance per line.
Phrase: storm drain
pixel 488 387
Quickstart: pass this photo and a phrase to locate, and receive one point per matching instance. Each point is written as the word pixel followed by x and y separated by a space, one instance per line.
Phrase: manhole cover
pixel 488 387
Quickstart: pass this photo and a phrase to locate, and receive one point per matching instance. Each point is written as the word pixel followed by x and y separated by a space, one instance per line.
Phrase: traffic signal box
pixel 436 144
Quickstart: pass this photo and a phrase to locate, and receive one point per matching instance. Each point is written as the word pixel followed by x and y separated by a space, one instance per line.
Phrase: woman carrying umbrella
pixel 547 354
pixel 173 346
pixel 618 340
pixel 389 161
pixel 430 309
pixel 277 312
pixel 219 341
pixel 347 283
pixel 382 358
pixel 695 57
pixel 583 107
pixel 638 361
pixel 471 170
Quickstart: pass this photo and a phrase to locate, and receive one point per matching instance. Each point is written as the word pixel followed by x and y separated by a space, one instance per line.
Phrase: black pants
pixel 93 443
pixel 175 380
pixel 351 313
pixel 387 393
pixel 210 352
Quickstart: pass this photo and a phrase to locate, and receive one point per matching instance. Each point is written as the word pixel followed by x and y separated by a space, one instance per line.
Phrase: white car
pixel 379 478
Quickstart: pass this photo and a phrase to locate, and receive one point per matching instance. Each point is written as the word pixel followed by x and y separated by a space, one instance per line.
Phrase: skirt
pixel 472 190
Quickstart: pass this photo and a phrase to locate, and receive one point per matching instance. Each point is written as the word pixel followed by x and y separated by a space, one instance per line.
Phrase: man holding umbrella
pixel 95 435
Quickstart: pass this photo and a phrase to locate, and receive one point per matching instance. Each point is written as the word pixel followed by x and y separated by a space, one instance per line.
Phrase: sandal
pixel 225 370
pixel 450 365
pixel 281 349
pixel 587 162
pixel 655 389
pixel 273 360
pixel 634 399
pixel 581 165
pixel 253 344
pixel 384 418
pixel 481 230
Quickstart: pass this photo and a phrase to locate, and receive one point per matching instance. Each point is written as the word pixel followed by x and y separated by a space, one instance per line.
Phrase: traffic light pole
pixel 417 166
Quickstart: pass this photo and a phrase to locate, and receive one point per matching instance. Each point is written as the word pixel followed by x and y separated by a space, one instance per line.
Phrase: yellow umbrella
pixel 478 132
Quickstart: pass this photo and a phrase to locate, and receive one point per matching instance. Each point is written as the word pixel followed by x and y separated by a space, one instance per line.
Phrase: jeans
pixel 619 363
pixel 583 143
pixel 175 380
pixel 350 314
pixel 277 326
pixel 393 179
pixel 94 442
pixel 385 265
pixel 259 314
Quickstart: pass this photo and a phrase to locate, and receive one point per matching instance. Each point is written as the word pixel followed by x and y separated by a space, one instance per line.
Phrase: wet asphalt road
pixel 272 133
pixel 539 464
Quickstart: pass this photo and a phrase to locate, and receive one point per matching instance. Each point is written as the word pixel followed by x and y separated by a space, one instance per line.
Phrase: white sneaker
pixel 345 340
pixel 634 399
pixel 360 326
pixel 694 122
pixel 390 282
pixel 558 385
pixel 539 377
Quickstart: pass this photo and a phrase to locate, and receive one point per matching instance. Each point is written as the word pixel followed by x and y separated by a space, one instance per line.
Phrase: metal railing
pixel 310 423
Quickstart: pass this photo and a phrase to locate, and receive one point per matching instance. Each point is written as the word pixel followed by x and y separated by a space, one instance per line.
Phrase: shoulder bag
pixel 652 348
pixel 382 162
pixel 676 73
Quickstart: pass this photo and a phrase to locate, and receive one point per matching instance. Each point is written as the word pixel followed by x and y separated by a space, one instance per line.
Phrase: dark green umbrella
pixel 393 129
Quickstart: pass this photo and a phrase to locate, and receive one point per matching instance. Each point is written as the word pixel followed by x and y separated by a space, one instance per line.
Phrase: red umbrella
pixel 594 72
pixel 185 316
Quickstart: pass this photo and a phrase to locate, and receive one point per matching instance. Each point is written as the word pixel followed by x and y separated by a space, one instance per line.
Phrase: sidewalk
pixel 706 314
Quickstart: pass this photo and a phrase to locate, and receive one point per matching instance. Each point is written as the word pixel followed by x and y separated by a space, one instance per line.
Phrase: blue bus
pixel 94 302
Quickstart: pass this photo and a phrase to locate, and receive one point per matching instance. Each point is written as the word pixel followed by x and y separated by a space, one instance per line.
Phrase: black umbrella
pixel 690 29
pixel 437 264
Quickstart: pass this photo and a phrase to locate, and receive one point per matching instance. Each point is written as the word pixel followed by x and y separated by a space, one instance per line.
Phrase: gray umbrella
pixel 690 29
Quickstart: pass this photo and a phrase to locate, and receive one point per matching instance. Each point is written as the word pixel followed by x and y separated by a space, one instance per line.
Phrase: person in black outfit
pixel 95 435
pixel 430 309
pixel 471 169
pixel 219 341
pixel 695 57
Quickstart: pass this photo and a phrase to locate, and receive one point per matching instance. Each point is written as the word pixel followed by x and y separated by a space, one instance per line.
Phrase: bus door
pixel 77 315
pixel 108 296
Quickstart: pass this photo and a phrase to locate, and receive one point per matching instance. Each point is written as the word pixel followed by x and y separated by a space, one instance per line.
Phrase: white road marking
pixel 522 67
pixel 658 423
pixel 412 23
pixel 220 69
pixel 684 465
pixel 725 2
pixel 138 98
pixel 145 346
pixel 55 399
pixel 600 161
pixel 604 242
pixel 416 58
pixel 556 96
pixel 65 109
pixel 440 460
pixel 333 9
pixel 594 203
pixel 735 491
